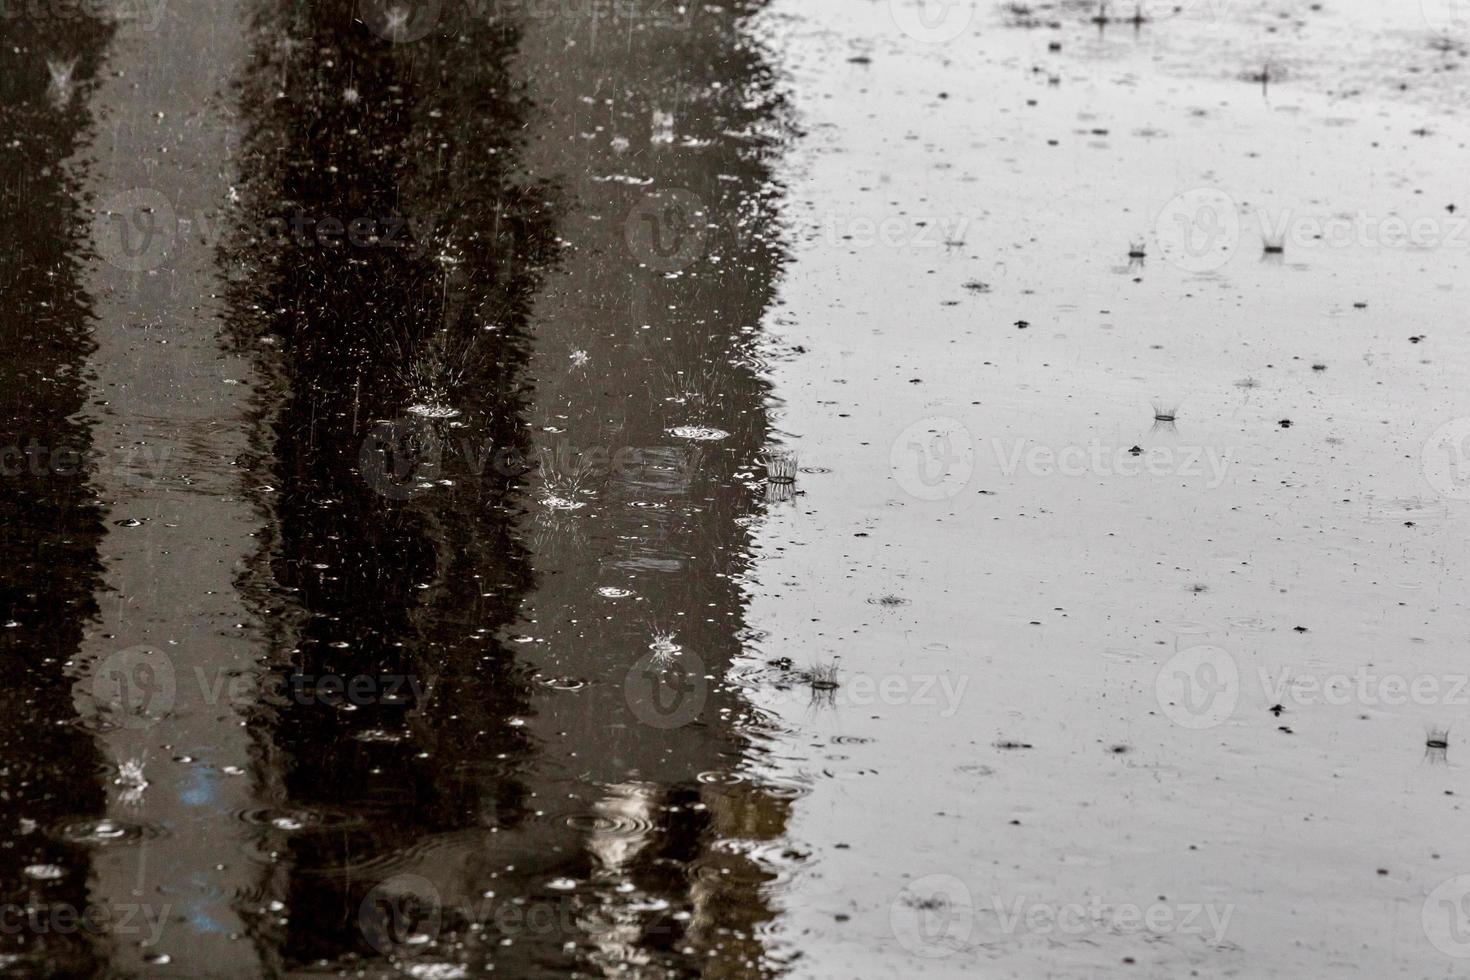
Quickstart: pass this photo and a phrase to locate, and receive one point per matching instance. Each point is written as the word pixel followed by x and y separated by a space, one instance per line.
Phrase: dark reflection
pixel 49 525
pixel 387 258
pixel 507 269
pixel 648 359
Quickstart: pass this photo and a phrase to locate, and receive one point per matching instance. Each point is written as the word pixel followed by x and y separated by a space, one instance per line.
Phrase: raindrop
pixel 699 433
pixel 44 872
pixel 298 819
pixel 429 410
pixel 377 735
pixel 436 971
pixel 105 833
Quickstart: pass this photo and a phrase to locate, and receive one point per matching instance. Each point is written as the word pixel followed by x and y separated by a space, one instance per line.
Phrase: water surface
pixel 394 584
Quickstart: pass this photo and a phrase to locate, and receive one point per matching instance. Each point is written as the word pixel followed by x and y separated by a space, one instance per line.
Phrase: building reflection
pixel 471 558
pixel 385 263
pixel 49 523
pixel 661 121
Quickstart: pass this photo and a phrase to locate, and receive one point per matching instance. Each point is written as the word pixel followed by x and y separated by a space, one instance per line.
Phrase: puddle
pixel 1117 342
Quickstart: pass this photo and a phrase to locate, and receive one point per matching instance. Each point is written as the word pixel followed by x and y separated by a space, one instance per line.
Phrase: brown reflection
pixel 661 118
pixel 386 259
pixel 468 437
pixel 168 670
pixel 49 525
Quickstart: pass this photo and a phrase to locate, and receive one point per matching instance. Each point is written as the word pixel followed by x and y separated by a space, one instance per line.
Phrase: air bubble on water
pixel 613 592
pixel 44 872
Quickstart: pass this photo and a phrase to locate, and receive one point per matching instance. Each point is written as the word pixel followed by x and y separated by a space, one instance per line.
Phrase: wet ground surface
pixel 816 488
